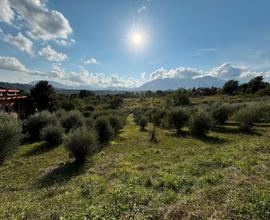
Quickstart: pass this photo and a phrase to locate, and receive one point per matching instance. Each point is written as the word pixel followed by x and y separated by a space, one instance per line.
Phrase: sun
pixel 137 39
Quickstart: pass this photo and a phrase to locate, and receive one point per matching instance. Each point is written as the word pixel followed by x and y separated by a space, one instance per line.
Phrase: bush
pixel 34 124
pixel 142 122
pixel 180 98
pixel 176 119
pixel 81 143
pixel 103 129
pixel 219 113
pixel 10 134
pixel 157 116
pixel 246 117
pixel 52 134
pixel 199 124
pixel 72 120
pixel 116 123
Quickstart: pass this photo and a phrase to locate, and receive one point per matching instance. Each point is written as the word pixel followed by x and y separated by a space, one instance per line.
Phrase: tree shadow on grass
pixel 62 173
pixel 39 149
pixel 235 130
pixel 210 139
pixel 181 134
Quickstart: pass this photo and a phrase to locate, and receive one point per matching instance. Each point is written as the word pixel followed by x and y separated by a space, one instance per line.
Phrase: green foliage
pixel 10 134
pixel 219 113
pixel 157 116
pixel 117 123
pixel 142 122
pixel 246 117
pixel 180 98
pixel 200 123
pixel 81 143
pixel 72 120
pixel 43 96
pixel 116 102
pixel 86 93
pixel 177 118
pixel 230 87
pixel 103 129
pixel 52 134
pixel 33 125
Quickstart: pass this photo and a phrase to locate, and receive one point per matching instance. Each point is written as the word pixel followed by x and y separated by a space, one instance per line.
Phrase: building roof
pixel 10 98
pixel 9 90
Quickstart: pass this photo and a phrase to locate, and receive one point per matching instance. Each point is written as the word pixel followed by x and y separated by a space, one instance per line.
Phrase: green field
pixel 224 176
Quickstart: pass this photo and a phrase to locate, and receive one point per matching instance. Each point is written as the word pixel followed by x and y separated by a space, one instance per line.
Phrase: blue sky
pixel 92 42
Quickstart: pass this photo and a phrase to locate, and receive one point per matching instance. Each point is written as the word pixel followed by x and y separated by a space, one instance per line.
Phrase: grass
pixel 224 176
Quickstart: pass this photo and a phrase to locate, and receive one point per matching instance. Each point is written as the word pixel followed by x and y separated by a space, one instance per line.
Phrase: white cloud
pixel 41 22
pixel 65 43
pixel 180 73
pixel 13 64
pixel 143 76
pixel 141 9
pixel 225 71
pixel 19 41
pixel 6 13
pixel 228 71
pixel 84 77
pixel 91 61
pixel 52 55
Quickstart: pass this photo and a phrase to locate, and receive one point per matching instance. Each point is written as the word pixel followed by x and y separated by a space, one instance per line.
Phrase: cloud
pixel 6 13
pixel 225 71
pixel 41 22
pixel 143 76
pixel 141 9
pixel 91 61
pixel 19 41
pixel 52 55
pixel 83 77
pixel 65 43
pixel 13 64
pixel 180 73
pixel 228 71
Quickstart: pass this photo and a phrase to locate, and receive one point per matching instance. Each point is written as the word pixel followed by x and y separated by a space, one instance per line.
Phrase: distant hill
pixel 19 86
pixel 174 83
pixel 158 84
pixel 61 86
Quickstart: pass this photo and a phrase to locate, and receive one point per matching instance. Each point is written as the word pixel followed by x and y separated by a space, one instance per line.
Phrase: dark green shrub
pixel 89 123
pixel 72 120
pixel 219 113
pixel 176 119
pixel 142 122
pixel 246 117
pixel 179 98
pixel 81 143
pixel 157 116
pixel 116 123
pixel 33 125
pixel 52 134
pixel 103 129
pixel 199 124
pixel 10 134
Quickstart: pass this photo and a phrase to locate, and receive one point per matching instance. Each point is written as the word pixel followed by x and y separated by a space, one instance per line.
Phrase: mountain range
pixel 157 84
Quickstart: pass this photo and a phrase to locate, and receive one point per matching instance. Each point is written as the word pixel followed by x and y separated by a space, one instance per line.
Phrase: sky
pixel 125 43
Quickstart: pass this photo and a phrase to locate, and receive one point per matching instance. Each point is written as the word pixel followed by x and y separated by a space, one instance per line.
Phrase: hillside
pixel 225 176
pixel 174 83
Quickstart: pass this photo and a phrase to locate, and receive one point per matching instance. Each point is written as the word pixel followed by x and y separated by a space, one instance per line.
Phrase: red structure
pixel 12 102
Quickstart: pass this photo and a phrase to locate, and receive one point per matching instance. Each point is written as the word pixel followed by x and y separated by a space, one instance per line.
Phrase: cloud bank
pixel 225 71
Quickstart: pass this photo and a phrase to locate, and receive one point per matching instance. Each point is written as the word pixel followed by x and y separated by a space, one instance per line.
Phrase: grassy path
pixel 224 177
